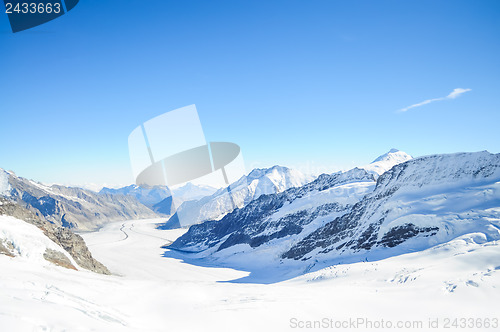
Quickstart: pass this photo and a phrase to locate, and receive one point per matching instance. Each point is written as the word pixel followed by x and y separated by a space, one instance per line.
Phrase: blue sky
pixel 310 84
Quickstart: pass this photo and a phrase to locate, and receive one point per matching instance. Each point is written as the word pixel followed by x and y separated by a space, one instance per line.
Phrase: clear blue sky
pixel 295 83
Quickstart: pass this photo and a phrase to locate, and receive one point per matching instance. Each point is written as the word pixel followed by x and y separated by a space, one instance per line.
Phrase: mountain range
pixel 357 215
pixel 415 205
pixel 249 187
pixel 85 210
pixel 394 205
pixel 72 207
pixel 146 195
pixel 161 198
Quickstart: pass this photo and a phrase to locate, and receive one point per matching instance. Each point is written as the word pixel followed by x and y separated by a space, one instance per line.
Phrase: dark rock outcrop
pixel 6 248
pixel 58 258
pixel 65 238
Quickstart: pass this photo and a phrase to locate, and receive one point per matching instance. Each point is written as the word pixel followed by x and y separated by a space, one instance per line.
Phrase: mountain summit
pixel 386 161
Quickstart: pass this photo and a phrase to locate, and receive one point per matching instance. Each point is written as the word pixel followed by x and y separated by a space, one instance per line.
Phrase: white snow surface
pixel 4 183
pixel 386 161
pixel 28 241
pixel 148 292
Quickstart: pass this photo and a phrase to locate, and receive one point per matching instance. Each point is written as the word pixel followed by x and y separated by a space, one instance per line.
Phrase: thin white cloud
pixel 454 94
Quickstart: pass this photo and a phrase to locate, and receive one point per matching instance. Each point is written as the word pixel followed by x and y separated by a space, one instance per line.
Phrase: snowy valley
pixel 410 241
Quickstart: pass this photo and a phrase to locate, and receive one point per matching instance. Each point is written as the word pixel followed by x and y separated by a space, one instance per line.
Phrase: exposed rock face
pixel 69 241
pixel 74 207
pixel 6 248
pixel 75 246
pixel 58 258
pixel 10 208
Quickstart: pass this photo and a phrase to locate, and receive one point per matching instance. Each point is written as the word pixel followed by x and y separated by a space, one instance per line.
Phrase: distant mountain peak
pixel 393 154
pixel 259 172
pixel 386 161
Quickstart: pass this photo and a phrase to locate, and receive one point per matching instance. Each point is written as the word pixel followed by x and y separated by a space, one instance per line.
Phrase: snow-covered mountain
pixel 386 161
pixel 259 182
pixel 348 217
pixel 162 199
pixel 69 206
pixel 4 183
pixel 271 218
pixel 415 205
pixel 296 212
pixel 148 196
pixel 458 278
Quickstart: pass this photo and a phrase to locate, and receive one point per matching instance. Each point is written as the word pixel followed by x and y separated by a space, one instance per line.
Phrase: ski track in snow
pixel 121 230
pixel 149 292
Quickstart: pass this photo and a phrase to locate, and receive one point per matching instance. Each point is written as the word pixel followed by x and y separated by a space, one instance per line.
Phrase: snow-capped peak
pixel 386 161
pixel 261 172
pixel 271 180
pixel 4 183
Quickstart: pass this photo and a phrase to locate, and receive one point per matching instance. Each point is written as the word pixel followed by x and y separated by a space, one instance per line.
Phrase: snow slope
pixel 152 293
pixel 28 243
pixel 4 183
pixel 415 205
